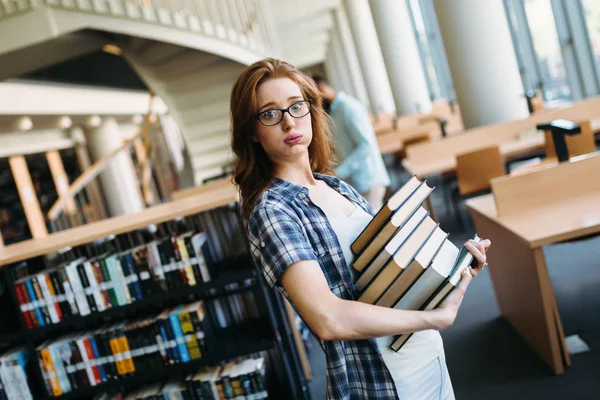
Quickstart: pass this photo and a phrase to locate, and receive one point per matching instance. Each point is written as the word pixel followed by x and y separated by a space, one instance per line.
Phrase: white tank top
pixel 424 346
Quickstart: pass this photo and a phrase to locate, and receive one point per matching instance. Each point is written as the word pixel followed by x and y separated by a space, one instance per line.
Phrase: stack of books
pixel 404 258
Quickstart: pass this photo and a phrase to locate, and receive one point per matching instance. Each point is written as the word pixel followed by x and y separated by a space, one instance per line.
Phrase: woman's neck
pixel 298 173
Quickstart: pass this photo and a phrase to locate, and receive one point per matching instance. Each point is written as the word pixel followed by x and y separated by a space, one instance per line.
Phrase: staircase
pixel 187 51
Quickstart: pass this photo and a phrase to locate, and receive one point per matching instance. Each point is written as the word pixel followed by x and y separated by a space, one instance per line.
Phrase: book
pixel 404 259
pixel 390 248
pixel 384 214
pixel 397 220
pixel 447 274
pixel 400 260
pixel 415 269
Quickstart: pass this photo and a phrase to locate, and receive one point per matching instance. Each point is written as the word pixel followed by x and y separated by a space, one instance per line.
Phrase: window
pixel 556 51
pixel 547 47
pixel 592 14
pixel 431 49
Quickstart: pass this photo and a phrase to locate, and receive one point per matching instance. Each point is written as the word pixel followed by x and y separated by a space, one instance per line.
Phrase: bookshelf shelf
pixel 247 338
pixel 237 341
pixel 219 196
pixel 135 380
pixel 160 300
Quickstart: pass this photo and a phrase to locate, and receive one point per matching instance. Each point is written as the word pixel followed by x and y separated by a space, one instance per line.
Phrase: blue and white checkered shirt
pixel 286 227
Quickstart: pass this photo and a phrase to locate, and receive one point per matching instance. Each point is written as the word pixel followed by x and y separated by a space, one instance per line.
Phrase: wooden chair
pixel 474 171
pixel 425 137
pixel 578 145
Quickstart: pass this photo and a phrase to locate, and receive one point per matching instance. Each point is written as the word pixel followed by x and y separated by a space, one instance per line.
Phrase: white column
pixel 401 56
pixel 344 35
pixel 482 61
pixel 369 56
pixel 119 181
pixel 341 66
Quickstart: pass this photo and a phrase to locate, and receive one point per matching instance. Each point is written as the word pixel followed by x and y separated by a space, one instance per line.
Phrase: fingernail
pixel 468 245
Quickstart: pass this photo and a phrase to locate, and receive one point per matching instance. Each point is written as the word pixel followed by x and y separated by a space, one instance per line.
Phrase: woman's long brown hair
pixel 253 170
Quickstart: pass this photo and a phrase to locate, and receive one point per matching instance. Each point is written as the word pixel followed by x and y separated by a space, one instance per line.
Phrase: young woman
pixel 300 224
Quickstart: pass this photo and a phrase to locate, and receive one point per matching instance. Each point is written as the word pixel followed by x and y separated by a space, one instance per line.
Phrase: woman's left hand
pixel 478 250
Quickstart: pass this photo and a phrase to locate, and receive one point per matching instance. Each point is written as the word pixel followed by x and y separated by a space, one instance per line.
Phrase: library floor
pixel 486 358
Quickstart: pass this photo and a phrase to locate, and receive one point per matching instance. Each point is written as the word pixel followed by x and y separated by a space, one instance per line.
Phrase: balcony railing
pixel 237 21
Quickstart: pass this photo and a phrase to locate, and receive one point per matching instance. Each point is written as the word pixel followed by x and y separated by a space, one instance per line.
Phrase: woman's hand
pixel 449 307
pixel 478 250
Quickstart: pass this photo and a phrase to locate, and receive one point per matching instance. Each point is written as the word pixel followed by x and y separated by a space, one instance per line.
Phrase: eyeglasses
pixel 272 117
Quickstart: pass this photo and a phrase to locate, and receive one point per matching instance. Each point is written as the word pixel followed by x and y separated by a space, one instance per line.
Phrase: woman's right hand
pixel 448 308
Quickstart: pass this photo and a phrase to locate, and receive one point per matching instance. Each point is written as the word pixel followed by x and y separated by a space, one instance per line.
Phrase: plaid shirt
pixel 286 227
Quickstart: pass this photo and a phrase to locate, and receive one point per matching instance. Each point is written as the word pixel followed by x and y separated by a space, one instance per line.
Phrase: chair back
pixel 580 144
pixel 475 169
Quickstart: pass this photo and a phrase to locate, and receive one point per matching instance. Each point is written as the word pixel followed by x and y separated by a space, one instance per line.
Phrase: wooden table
pixel 392 141
pixel 523 214
pixel 439 156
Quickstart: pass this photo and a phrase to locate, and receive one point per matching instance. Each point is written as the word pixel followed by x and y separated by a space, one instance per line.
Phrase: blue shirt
pixel 286 227
pixel 361 164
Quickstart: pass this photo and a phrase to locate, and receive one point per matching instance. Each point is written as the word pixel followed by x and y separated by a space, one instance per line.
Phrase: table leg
pixel 524 292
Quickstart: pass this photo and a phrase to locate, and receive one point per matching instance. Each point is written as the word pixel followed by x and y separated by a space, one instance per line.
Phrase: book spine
pixel 69 294
pixel 179 338
pixel 41 280
pixel 61 299
pixel 42 301
pixel 54 298
pixel 187 266
pixel 82 304
pixel 69 364
pixel 172 343
pixel 94 289
pixel 135 279
pixel 117 354
pixel 51 372
pixel 59 367
pixel 80 367
pixel 87 289
pixel 98 360
pixel 189 334
pixel 34 302
pixel 178 262
pixel 99 278
pixel 24 304
pixel 127 358
pixel 86 361
pixel 109 282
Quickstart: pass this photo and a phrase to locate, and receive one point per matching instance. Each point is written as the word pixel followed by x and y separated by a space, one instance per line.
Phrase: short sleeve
pixel 277 241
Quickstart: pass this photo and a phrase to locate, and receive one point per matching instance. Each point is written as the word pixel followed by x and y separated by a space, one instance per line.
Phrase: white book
pixel 390 249
pixel 49 299
pixel 86 361
pixel 94 289
pixel 77 287
pixel 431 279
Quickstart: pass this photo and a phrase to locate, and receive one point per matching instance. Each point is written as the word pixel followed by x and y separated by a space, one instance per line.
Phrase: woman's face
pixel 289 139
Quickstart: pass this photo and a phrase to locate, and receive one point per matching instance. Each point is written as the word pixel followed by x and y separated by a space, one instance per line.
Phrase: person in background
pixel 361 164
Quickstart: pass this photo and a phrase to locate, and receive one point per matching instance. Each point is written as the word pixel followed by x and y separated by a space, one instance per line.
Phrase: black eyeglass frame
pixel 283 111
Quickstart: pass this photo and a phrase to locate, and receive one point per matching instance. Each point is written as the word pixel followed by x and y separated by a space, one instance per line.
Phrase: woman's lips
pixel 292 139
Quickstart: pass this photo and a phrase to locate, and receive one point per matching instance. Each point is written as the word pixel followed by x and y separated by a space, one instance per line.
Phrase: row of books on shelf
pixel 89 359
pixel 404 258
pixel 243 379
pixel 120 271
pixel 84 286
pixel 13 378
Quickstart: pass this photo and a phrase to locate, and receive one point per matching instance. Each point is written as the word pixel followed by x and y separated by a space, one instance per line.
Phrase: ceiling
pixel 304 29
